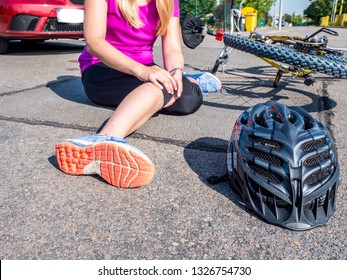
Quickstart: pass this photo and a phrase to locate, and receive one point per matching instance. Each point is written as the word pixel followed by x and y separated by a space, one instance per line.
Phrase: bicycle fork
pixel 222 59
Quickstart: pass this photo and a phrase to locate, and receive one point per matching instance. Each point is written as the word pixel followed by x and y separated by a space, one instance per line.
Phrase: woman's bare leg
pixel 134 111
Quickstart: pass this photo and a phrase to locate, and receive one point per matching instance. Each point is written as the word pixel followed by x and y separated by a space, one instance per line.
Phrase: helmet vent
pixel 317 158
pixel 259 119
pixel 314 144
pixel 262 195
pixel 272 159
pixel 265 173
pixel 277 117
pixel 322 200
pixel 265 142
pixel 292 118
pixel 243 121
pixel 319 175
pixel 308 123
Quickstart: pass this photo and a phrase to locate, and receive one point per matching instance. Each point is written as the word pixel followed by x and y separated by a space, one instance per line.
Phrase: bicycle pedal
pixel 309 80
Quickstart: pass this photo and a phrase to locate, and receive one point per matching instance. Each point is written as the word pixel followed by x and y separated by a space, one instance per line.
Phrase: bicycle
pixel 298 56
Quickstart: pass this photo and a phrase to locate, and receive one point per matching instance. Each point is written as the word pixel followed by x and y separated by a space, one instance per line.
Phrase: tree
pixel 294 19
pixel 288 18
pixel 198 8
pixel 201 8
pixel 318 9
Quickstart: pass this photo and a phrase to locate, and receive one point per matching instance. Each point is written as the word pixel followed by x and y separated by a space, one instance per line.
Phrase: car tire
pixel 4 44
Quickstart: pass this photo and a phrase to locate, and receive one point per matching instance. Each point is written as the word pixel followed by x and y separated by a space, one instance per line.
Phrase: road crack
pixel 199 145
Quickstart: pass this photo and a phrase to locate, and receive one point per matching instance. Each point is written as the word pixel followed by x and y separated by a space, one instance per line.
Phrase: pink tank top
pixel 133 42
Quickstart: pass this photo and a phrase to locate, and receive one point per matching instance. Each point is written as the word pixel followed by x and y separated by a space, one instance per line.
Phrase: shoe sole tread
pixel 117 164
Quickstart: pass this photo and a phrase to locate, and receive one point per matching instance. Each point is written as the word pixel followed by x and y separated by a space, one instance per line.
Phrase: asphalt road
pixel 46 214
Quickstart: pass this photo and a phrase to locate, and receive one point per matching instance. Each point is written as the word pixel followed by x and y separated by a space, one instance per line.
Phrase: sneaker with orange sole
pixel 118 163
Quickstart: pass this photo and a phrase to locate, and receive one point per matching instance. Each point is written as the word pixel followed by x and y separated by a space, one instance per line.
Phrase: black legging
pixel 106 86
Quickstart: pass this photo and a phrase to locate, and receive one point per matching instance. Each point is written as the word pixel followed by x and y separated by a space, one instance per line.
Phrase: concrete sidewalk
pixel 46 214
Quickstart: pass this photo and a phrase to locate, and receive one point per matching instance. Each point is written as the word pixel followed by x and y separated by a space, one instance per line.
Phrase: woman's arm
pixel 171 46
pixel 172 53
pixel 95 21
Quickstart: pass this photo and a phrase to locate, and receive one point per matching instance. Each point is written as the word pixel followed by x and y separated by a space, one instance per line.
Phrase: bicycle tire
pixel 326 56
pixel 288 56
pixel 336 57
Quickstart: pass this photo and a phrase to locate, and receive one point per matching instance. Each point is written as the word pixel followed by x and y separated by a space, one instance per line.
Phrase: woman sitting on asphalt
pixel 118 70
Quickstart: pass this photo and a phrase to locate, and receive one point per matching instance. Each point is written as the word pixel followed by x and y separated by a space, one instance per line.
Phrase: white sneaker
pixel 207 81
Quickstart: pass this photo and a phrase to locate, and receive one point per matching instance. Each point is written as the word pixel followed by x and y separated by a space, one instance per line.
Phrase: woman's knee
pixel 195 100
pixel 189 102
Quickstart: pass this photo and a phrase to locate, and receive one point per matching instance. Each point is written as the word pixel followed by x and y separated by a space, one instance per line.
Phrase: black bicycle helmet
pixel 284 165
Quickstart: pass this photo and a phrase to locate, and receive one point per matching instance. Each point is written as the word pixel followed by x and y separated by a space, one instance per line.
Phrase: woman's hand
pixel 160 78
pixel 177 76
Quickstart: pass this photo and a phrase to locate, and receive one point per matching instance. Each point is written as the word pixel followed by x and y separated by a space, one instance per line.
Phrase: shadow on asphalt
pixel 262 77
pixel 70 88
pixel 53 161
pixel 212 162
pixel 49 47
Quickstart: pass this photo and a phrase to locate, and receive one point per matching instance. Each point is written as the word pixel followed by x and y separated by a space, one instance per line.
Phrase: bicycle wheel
pixel 329 56
pixel 288 56
pixel 336 58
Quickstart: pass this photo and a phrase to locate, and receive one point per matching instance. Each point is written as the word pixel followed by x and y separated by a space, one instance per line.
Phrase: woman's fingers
pixel 162 78
pixel 178 80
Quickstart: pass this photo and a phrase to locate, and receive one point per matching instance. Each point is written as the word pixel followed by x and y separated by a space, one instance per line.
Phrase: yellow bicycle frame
pixel 294 71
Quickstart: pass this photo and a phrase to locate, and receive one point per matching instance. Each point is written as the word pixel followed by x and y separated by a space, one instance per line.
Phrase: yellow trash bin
pixel 251 21
pixel 324 21
pixel 247 10
pixel 251 15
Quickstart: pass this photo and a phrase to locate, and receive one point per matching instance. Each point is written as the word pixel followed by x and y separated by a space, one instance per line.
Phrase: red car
pixel 39 20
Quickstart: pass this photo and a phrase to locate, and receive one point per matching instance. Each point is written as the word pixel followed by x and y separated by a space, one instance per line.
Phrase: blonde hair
pixel 129 10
